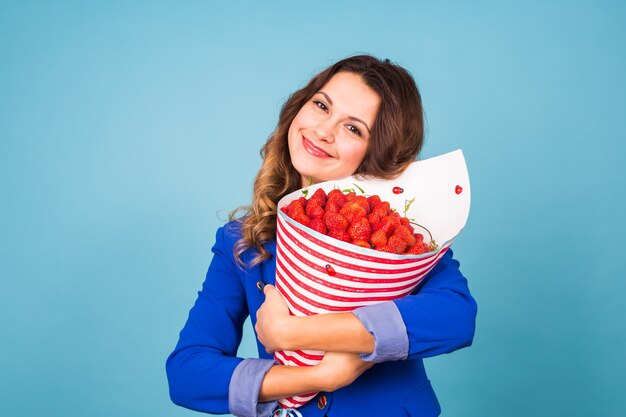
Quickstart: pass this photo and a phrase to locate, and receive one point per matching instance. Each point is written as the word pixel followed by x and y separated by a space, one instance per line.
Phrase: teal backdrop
pixel 129 129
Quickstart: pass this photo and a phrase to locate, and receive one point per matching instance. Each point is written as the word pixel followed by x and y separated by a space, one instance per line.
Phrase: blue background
pixel 129 130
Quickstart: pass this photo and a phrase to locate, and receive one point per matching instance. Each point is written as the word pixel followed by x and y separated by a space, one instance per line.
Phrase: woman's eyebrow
pixel 356 119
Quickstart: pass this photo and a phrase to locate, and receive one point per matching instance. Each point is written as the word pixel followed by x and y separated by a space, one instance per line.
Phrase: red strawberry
pixel 416 250
pixel 374 218
pixel 337 196
pixel 373 200
pixel 361 243
pixel 385 248
pixel 360 230
pixel 335 221
pixel 352 211
pixel 382 209
pixel 419 238
pixel 318 225
pixel 404 233
pixel 302 219
pixel 397 244
pixel 314 209
pixel 379 238
pixel 339 234
pixel 388 224
pixel 295 208
pixel 320 196
pixel 407 223
pixel 332 206
pixel 362 201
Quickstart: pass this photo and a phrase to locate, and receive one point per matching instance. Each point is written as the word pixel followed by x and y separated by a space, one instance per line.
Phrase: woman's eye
pixel 320 105
pixel 354 129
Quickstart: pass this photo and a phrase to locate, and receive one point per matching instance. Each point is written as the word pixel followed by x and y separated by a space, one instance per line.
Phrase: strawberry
pixel 374 218
pixel 337 196
pixel 397 244
pixel 405 234
pixel 352 211
pixel 382 209
pixel 360 230
pixel 361 243
pixel 406 222
pixel 318 225
pixel 385 248
pixel 417 249
pixel 332 206
pixel 301 218
pixel 373 200
pixel 388 224
pixel 314 209
pixel 339 235
pixel 350 196
pixel 295 208
pixel 379 238
pixel 419 238
pixel 335 222
pixel 320 196
pixel 362 201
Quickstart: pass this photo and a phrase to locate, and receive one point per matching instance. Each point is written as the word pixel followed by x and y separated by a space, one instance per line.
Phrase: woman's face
pixel 329 136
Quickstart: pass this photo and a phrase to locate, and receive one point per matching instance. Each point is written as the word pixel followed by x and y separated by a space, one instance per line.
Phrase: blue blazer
pixel 439 317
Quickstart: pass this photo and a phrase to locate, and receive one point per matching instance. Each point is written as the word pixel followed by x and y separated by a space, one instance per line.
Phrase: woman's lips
pixel 314 150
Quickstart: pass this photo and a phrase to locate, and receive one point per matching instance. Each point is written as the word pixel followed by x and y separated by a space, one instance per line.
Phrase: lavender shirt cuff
pixel 244 387
pixel 384 322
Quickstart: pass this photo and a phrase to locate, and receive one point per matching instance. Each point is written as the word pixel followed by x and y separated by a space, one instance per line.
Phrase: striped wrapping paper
pixel 318 274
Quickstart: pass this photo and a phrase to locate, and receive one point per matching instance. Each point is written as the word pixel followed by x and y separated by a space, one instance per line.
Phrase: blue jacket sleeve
pixel 440 315
pixel 200 368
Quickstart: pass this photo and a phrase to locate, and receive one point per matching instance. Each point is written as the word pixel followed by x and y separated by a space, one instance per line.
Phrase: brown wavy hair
pixel 395 141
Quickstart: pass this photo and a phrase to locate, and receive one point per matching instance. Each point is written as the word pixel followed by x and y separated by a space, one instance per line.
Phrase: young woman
pixel 360 116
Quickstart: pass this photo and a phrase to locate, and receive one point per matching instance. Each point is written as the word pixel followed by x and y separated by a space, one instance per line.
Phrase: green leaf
pixel 305 191
pixel 407 204
pixel 360 189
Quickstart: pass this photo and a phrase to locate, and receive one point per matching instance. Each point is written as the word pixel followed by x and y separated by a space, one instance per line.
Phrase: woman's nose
pixel 325 131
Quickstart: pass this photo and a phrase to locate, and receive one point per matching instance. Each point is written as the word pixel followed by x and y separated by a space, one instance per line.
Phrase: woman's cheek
pixel 355 154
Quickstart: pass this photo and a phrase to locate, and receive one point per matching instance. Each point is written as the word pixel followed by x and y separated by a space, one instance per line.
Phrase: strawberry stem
pixel 429 234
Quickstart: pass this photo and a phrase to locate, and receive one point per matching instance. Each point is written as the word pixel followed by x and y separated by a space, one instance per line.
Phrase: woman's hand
pixel 335 371
pixel 338 369
pixel 273 321
pixel 336 332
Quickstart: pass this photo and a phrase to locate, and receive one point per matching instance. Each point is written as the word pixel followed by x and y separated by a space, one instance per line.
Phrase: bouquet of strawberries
pixel 354 242
pixel 367 222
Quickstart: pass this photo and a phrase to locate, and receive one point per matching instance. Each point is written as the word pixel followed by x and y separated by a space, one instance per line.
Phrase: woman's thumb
pixel 267 288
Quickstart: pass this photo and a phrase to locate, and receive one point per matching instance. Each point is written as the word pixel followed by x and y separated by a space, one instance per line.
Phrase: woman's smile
pixel 314 150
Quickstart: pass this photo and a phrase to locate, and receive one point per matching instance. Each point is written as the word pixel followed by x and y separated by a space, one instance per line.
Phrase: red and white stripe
pixel 361 277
